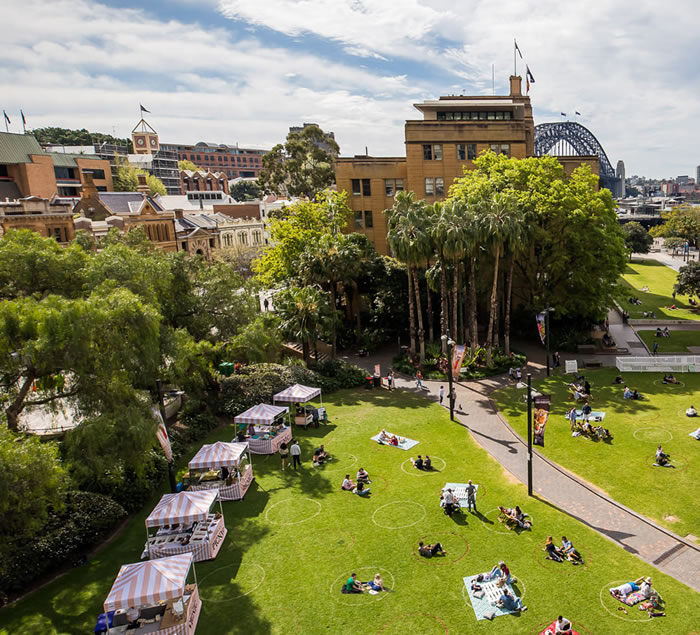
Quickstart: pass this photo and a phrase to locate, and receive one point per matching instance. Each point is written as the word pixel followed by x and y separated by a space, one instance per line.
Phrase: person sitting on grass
pixel 659 332
pixel 363 476
pixel 509 602
pixel 662 459
pixel 417 463
pixel 667 332
pixel 428 551
pixel 553 553
pixel 427 463
pixel 377 584
pixel 632 394
pixel 501 570
pixel 360 489
pixel 562 626
pixel 691 412
pixel 449 502
pixel 618 380
pixel 320 456
pixel 601 432
pixel 669 379
pixel 347 485
pixel 570 552
pixel 394 440
pixel 352 585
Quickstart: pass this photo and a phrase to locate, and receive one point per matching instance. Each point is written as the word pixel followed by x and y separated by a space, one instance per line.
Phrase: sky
pixel 243 71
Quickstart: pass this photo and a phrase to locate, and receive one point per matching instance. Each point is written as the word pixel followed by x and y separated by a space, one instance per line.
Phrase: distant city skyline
pixel 239 71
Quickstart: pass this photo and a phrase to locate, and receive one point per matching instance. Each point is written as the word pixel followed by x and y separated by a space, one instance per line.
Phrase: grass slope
pixel 282 564
pixel 677 343
pixel 660 280
pixel 621 467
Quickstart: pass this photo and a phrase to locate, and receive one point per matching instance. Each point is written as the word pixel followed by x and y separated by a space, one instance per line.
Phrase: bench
pixel 586 348
pixel 592 364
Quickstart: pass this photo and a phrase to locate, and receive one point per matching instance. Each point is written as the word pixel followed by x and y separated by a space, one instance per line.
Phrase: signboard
pixel 571 366
pixel 459 352
pixel 541 329
pixel 541 414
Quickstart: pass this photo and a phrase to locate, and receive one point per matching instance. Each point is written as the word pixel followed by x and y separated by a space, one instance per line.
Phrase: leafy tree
pixel 303 312
pixel 245 190
pixel 637 239
pixel 85 240
pixel 295 227
pixel 674 243
pixel 258 341
pixel 682 222
pixel 303 166
pixel 688 280
pixel 31 482
pixel 82 137
pixel 185 164
pixel 127 180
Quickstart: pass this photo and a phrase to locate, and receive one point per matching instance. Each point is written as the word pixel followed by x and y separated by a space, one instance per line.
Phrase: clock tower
pixel 144 138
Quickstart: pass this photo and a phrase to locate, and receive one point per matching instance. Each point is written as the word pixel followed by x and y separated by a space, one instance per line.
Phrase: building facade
pixel 454 130
pixel 203 181
pixel 46 217
pixel 152 157
pixel 230 159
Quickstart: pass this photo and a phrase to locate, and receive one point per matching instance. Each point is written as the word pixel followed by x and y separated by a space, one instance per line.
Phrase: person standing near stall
pixel 295 451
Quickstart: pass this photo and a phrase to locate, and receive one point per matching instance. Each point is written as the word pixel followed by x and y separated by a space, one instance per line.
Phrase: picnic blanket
pixel 631 599
pixel 551 630
pixel 460 492
pixel 487 603
pixel 695 435
pixel 406 444
pixel 594 416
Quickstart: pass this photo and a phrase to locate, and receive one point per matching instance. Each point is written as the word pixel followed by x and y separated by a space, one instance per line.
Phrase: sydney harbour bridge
pixel 569 138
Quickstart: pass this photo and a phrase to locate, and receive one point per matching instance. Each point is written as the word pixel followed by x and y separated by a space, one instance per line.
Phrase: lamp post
pixel 529 433
pixel 450 346
pixel 171 467
pixel 546 312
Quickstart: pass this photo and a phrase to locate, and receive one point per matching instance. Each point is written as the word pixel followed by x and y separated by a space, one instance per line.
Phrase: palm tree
pixel 455 237
pixel 302 310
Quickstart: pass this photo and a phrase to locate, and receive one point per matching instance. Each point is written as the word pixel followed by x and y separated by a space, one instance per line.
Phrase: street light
pixel 546 312
pixel 171 467
pixel 529 432
pixel 450 345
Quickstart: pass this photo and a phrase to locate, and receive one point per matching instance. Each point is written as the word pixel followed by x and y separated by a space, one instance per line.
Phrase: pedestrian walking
pixel 656 348
pixel 607 325
pixel 442 394
pixel 284 453
pixel 295 451
pixel 419 380
pixel 390 380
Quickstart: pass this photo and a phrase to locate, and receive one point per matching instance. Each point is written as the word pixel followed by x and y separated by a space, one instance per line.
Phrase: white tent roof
pixel 262 413
pixel 297 394
pixel 219 454
pixel 183 507
pixel 150 582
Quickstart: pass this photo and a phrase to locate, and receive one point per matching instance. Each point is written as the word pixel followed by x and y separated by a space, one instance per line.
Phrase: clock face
pixel 140 141
pixel 154 142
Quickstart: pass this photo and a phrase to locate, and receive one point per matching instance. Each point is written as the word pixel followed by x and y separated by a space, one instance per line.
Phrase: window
pixel 432 152
pixel 183 245
pixel 494 147
pixel 56 231
pixel 256 237
pixel 366 189
pixel 358 219
pixel 211 243
pixel 243 238
pixel 392 186
pixel 434 186
pixel 96 174
pixel 63 173
pixel 368 218
pixel 399 185
pixel 471 151
pixel 503 148
pixel 427 152
pixel 461 152
pixel 439 186
pixel 356 187
pixel 430 186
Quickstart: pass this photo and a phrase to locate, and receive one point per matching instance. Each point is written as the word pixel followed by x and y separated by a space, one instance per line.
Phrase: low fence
pixel 674 364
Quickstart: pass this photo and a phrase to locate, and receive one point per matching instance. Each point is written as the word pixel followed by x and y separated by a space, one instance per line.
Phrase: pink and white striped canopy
pixel 219 454
pixel 183 507
pixel 262 413
pixel 144 583
pixel 297 394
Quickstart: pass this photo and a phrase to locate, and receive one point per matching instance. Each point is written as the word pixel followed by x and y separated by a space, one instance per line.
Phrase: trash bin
pixel 369 383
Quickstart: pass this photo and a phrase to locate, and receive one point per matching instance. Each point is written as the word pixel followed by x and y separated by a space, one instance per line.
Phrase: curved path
pixel 474 410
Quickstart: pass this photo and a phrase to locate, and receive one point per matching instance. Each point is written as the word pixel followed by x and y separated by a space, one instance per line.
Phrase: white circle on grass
pixel 296 522
pixel 413 471
pixel 659 382
pixel 656 439
pixel 343 577
pixel 415 522
pixel 616 613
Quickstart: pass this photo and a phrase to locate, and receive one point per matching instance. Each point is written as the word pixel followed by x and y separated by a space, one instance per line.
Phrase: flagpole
pixel 493 79
pixel 515 61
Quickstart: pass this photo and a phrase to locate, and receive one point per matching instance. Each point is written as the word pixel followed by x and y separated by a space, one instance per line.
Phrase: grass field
pixel 660 280
pixel 678 342
pixel 622 467
pixel 296 537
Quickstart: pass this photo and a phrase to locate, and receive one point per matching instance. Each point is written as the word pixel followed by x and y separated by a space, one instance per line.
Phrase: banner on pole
pixel 541 407
pixel 378 370
pixel 459 352
pixel 541 329
pixel 162 434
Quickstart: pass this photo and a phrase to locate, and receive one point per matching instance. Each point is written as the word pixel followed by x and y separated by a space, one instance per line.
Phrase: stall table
pixel 230 456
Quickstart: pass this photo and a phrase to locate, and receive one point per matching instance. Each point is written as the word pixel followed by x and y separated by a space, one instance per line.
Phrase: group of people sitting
pixel 639 591
pixel 608 340
pixel 320 456
pixel 501 574
pixel 580 389
pixel 670 379
pixel 422 463
pixel 585 427
pixel 632 394
pixel 389 439
pixel 565 552
pixel 514 517
pixel 353 585
pixel 662 458
pixel 664 333
pixel 634 300
pixel 360 488
pixel 649 314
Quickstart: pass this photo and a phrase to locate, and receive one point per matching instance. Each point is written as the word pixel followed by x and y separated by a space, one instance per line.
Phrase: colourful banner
pixel 162 434
pixel 377 370
pixel 459 352
pixel 541 326
pixel 541 414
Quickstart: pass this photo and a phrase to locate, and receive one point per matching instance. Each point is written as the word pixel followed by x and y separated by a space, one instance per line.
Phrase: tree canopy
pixel 688 281
pixel 681 222
pixel 245 190
pixel 637 239
pixel 127 180
pixel 302 166
pixel 82 137
pixel 186 164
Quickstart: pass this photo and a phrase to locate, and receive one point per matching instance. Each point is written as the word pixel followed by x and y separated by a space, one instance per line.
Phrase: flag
pixel 529 77
pixel 578 113
pixel 517 48
pixel 541 405
pixel 458 353
pixel 162 434
pixel 144 109
pixel 541 326
pixel 24 121
pixel 563 114
pixel 7 119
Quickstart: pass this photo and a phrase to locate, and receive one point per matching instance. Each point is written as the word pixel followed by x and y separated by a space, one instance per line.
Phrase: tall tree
pixel 245 190
pixel 682 222
pixel 303 166
pixel 688 280
pixel 637 239
pixel 127 180
pixel 303 311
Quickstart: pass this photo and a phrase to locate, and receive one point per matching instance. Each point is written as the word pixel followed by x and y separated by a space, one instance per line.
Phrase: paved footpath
pixel 475 411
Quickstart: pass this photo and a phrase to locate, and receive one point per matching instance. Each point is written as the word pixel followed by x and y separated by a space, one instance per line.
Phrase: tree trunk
pixel 464 316
pixel 305 351
pixel 472 302
pixel 348 304
pixel 492 316
pixel 509 294
pixel 429 309
pixel 356 305
pixel 411 312
pixel 455 296
pixel 497 313
pixel 333 320
pixel 444 317
pixel 419 313
pixel 13 410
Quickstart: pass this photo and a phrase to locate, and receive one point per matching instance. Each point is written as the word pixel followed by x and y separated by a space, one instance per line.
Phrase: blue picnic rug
pixel 492 593
pixel 594 416
pixel 406 444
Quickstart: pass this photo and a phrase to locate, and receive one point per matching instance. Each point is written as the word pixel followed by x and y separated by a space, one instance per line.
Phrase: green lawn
pixel 621 467
pixel 297 536
pixel 660 280
pixel 678 342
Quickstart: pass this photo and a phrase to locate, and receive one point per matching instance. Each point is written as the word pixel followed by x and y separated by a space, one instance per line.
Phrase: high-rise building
pixel 234 161
pixel 620 176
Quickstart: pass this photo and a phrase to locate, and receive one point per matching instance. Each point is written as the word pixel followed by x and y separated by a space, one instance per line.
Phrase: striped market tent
pixel 144 583
pixel 297 394
pixel 183 507
pixel 219 454
pixel 263 414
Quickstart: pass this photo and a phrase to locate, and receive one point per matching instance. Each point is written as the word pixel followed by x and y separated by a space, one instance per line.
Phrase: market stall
pixel 222 466
pixel 266 428
pixel 185 524
pixel 300 395
pixel 154 597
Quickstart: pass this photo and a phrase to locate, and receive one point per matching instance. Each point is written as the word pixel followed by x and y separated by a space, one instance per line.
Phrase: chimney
pixel 178 213
pixel 88 190
pixel 516 89
pixel 143 185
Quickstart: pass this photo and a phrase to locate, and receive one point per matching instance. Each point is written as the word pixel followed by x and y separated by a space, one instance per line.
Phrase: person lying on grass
pixel 509 602
pixel 602 433
pixel 570 552
pixel 347 485
pixel 514 518
pixel 553 552
pixel 428 551
pixel 384 436
pixel 631 394
pixel 621 592
pixel 417 463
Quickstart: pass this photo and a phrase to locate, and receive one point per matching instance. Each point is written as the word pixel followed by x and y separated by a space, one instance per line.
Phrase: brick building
pixel 203 181
pixel 46 217
pixel 234 161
